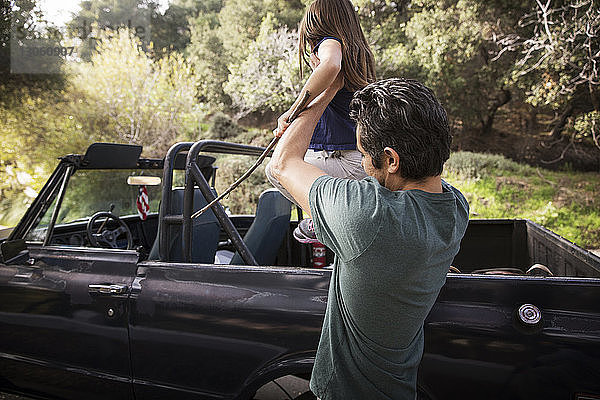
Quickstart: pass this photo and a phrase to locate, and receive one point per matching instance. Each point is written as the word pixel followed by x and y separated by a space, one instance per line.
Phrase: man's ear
pixel 392 160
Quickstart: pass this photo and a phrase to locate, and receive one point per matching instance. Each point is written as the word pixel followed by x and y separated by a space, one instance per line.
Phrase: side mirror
pixel 14 252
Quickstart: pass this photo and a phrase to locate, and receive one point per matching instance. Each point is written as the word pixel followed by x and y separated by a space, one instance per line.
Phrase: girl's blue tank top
pixel 335 130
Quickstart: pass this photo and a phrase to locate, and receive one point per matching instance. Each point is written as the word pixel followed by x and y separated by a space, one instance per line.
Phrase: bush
pixel 223 127
pixel 269 78
pixel 146 102
pixel 588 125
pixel 477 165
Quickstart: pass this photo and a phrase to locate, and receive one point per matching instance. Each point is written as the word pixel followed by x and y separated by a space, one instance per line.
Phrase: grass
pixel 565 202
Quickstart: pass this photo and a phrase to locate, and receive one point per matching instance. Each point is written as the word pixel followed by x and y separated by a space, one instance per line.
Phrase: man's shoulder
pixel 342 191
pixel 461 199
pixel 346 214
pixel 368 183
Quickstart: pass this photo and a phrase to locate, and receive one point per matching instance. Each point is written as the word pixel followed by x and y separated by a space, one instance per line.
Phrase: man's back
pixel 393 249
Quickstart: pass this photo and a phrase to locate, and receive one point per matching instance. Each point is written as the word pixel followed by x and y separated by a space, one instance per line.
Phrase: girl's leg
pixel 339 163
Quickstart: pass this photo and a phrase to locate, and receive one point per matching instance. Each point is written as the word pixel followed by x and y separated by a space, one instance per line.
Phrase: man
pixel 394 235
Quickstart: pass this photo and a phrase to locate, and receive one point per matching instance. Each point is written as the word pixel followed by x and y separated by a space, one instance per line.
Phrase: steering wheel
pixel 108 236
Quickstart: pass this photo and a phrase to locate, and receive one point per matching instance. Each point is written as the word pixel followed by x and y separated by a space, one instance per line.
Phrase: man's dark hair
pixel 405 115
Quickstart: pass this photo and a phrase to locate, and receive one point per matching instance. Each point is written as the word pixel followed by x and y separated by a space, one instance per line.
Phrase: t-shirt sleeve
pixel 345 214
pixel 462 202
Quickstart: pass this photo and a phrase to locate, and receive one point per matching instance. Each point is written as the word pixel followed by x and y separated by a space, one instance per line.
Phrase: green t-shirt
pixel 393 250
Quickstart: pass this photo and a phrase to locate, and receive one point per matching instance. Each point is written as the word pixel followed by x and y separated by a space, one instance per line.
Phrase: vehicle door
pixel 63 309
pixel 207 331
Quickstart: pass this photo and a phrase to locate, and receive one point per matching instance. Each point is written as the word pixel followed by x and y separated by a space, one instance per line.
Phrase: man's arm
pixel 287 164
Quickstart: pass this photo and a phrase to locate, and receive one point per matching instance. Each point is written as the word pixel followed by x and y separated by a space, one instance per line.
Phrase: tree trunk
pixel 594 96
pixel 531 121
pixel 562 121
pixel 488 120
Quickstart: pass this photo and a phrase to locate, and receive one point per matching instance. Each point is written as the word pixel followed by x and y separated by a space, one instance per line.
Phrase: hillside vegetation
pixel 565 202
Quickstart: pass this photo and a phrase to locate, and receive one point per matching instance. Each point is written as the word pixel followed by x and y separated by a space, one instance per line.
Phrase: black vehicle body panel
pixel 473 336
pixel 214 329
pixel 205 331
pixel 56 337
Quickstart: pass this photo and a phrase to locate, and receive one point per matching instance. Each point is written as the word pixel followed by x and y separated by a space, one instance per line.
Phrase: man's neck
pixel 431 184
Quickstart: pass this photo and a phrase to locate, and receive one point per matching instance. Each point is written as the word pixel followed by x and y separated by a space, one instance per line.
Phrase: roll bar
pixel 194 176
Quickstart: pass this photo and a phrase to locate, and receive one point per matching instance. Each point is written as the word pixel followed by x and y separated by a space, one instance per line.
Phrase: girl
pixel 331 37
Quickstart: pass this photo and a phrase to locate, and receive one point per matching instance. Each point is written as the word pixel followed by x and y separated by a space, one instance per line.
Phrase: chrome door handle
pixel 107 289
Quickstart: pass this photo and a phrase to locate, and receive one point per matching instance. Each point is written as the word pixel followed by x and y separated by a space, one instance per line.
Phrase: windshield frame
pixel 55 190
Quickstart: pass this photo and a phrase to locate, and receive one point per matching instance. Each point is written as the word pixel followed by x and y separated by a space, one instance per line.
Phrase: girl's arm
pixel 287 164
pixel 328 65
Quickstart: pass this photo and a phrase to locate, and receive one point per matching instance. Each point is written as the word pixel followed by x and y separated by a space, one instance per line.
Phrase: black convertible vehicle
pixel 100 302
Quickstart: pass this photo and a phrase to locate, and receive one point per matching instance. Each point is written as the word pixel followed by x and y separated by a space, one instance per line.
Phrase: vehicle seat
pixel 205 232
pixel 268 230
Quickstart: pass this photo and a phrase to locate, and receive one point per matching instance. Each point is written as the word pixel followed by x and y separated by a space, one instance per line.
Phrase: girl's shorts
pixel 337 163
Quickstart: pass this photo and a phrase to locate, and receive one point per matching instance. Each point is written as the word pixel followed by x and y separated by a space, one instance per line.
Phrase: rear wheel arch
pixel 297 367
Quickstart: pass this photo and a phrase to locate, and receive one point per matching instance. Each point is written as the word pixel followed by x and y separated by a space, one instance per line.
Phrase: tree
pixel 147 102
pixel 445 46
pixel 97 16
pixel 269 77
pixel 171 29
pixel 220 39
pixel 240 21
pixel 24 24
pixel 209 58
pixel 558 50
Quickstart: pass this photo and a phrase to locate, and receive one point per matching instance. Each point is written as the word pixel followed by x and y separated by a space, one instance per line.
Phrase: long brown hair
pixel 338 19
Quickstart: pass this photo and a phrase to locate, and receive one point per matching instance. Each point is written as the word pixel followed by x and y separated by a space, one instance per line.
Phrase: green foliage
pixel 121 96
pixel 559 50
pixel 240 22
pixel 16 192
pixel 209 58
pixel 254 137
pixel 588 125
pixel 269 77
pixel 26 22
pixel 35 129
pixel 223 127
pixel 147 102
pixel 97 17
pixel 476 165
pixel 170 30
pixel 221 42
pixel 444 46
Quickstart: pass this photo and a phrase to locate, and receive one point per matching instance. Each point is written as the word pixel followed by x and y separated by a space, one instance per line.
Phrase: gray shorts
pixel 337 163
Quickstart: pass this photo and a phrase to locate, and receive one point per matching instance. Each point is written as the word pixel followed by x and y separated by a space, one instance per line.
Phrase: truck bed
pixel 517 243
